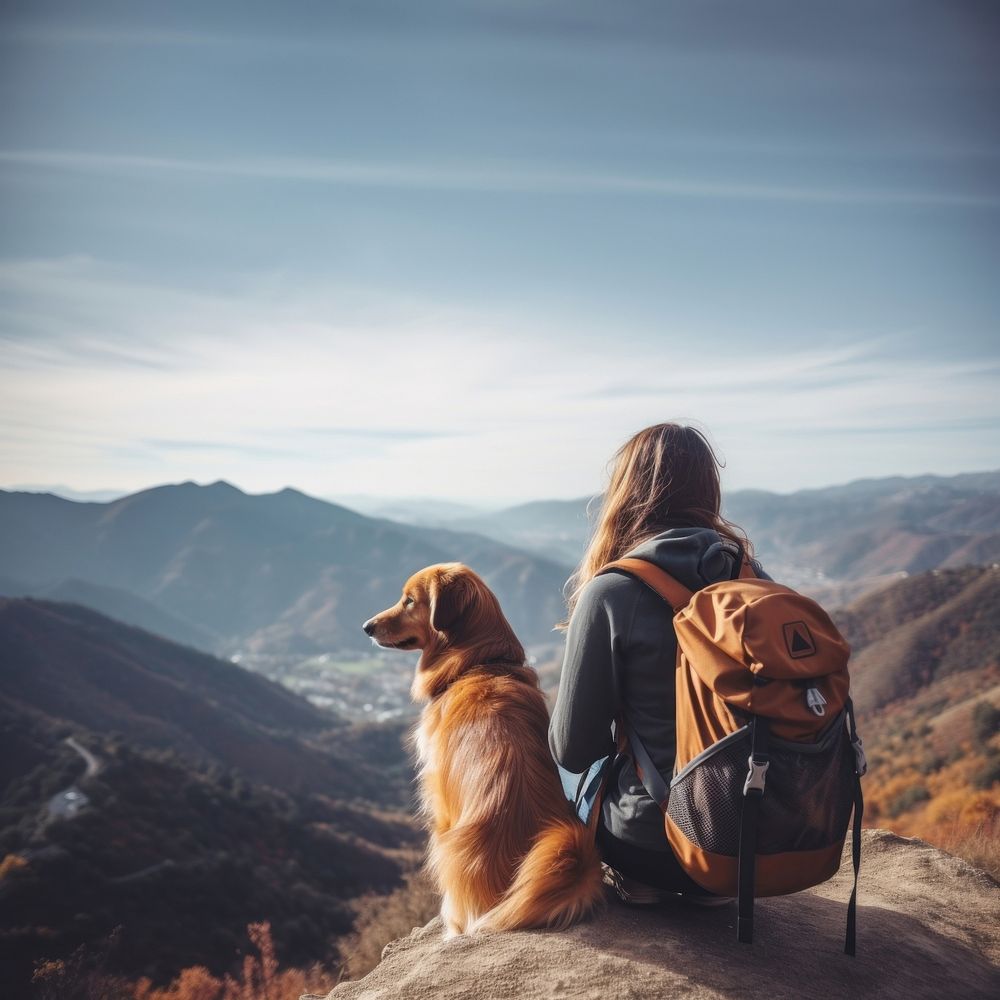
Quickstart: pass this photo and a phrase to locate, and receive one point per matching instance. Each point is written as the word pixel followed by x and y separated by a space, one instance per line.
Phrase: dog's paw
pixel 481 925
pixel 451 917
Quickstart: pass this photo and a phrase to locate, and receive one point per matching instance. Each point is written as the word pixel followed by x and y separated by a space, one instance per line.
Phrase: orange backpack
pixel 769 761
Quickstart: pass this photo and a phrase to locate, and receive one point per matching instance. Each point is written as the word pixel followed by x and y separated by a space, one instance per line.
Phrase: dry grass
pixel 382 919
pixel 977 843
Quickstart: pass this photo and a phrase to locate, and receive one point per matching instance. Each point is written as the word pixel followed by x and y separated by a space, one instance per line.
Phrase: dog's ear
pixel 452 593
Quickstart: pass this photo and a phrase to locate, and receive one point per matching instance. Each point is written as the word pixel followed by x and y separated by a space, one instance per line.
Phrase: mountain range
pixel 871 529
pixel 285 574
pixel 837 542
pixel 276 573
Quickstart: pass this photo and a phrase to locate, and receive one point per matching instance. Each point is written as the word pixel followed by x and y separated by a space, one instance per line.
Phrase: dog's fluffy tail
pixel 557 883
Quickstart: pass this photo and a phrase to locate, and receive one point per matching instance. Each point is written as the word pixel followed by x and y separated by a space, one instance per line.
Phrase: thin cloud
pixel 253 451
pixel 298 441
pixel 29 34
pixel 81 353
pixel 946 425
pixel 373 433
pixel 815 369
pixel 510 179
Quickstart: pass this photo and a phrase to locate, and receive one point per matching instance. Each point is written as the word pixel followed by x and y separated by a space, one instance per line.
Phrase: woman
pixel 663 505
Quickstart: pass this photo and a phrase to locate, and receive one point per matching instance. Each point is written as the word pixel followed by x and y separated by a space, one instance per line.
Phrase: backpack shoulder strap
pixel 658 580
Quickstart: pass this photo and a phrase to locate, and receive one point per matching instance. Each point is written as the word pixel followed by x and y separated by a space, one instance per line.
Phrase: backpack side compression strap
pixel 648 773
pixel 861 767
pixel 753 792
pixel 850 943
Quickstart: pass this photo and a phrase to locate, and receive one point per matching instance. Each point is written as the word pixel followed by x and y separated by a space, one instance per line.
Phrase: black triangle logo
pixel 798 640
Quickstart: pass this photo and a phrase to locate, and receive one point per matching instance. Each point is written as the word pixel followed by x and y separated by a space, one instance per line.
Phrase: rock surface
pixel 928 926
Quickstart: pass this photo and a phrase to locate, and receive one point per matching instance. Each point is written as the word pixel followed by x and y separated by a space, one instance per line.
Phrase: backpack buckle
pixel 755 776
pixel 816 701
pixel 860 760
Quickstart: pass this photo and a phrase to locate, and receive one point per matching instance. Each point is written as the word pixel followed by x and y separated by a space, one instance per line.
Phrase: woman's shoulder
pixel 611 588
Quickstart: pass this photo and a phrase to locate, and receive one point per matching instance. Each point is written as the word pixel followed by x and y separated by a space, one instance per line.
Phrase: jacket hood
pixel 693 556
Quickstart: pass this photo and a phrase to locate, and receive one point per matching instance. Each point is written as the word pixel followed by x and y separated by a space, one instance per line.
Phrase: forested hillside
pixel 925 673
pixel 210 798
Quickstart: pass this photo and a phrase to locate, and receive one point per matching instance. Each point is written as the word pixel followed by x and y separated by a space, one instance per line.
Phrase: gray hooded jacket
pixel 620 658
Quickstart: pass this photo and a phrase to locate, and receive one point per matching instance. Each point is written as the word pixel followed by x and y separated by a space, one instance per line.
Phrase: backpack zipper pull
pixel 816 701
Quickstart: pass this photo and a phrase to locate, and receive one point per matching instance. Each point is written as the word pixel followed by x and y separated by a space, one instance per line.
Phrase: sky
pixel 465 249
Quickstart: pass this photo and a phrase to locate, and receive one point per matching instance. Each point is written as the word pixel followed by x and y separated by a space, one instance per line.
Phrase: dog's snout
pixel 369 626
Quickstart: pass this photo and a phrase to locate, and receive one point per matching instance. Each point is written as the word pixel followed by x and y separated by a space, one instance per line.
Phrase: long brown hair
pixel 665 476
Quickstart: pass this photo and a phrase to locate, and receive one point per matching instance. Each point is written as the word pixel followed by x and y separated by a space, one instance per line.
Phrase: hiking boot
pixel 631 891
pixel 636 893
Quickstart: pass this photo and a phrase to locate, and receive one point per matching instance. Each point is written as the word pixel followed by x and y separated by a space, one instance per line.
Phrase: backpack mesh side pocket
pixel 706 797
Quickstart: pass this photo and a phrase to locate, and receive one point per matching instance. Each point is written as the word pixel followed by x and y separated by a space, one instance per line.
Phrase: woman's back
pixel 620 655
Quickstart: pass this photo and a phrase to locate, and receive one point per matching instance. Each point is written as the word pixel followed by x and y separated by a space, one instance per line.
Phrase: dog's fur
pixel 505 848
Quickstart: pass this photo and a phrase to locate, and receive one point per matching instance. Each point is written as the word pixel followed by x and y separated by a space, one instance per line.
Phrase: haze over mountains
pixel 871 528
pixel 275 573
pixel 856 535
pixel 287 574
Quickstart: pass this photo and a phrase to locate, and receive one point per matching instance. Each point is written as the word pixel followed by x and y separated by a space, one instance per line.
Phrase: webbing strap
pixel 861 767
pixel 649 773
pixel 852 906
pixel 595 809
pixel 749 813
pixel 658 580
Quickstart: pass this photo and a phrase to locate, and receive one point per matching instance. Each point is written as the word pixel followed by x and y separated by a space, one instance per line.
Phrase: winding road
pixel 70 801
pixel 93 764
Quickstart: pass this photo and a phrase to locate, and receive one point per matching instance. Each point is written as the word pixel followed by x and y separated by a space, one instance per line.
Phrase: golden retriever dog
pixel 505 847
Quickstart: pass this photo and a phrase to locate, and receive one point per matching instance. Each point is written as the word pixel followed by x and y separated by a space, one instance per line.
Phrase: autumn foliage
pixel 83 976
pixel 935 767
